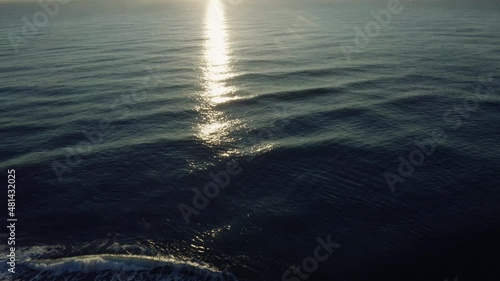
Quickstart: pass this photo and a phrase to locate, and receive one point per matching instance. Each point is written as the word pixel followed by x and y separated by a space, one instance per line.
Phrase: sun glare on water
pixel 215 127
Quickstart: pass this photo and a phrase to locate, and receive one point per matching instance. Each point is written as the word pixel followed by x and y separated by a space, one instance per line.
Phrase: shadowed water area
pixel 112 114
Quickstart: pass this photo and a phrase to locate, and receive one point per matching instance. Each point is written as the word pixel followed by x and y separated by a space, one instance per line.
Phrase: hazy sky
pixel 445 3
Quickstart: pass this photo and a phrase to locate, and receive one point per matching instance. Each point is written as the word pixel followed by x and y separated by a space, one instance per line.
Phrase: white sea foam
pixel 127 267
pixel 111 267
pixel 94 263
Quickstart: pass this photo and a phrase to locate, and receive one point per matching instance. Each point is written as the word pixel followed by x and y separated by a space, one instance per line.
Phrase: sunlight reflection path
pixel 215 127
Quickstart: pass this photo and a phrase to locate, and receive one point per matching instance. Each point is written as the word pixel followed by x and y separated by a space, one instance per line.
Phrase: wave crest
pixel 121 267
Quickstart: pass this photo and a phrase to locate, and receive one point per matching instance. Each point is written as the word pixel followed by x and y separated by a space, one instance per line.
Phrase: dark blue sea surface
pixel 116 116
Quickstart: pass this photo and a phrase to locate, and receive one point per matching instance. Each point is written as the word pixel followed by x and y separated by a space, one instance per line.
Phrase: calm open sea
pixel 222 140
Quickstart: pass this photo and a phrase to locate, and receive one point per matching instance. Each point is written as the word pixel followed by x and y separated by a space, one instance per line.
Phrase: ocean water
pixel 298 125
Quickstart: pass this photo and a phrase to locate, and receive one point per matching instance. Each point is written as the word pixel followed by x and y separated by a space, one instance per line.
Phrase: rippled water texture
pixel 112 114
